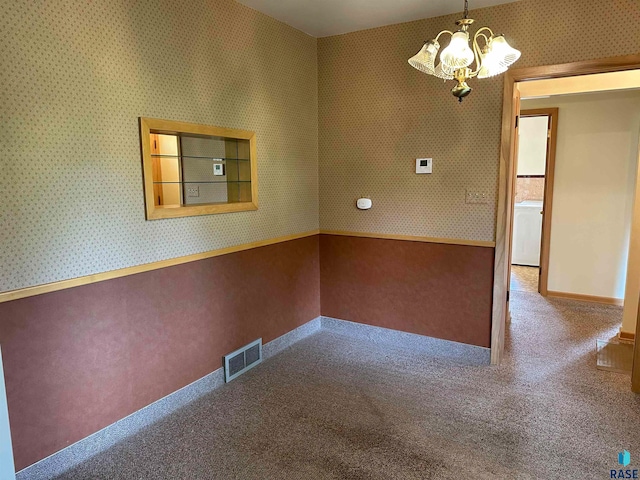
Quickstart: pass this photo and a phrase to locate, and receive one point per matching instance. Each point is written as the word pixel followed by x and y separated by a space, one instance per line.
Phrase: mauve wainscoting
pixel 78 360
pixel 438 290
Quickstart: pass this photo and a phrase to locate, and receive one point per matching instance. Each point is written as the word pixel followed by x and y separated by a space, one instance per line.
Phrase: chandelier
pixel 494 58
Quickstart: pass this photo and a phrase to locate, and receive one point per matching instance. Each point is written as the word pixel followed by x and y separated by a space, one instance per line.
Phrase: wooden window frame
pixel 150 126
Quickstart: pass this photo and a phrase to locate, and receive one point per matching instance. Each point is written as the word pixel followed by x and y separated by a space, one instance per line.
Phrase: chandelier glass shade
pixel 490 52
pixel 458 54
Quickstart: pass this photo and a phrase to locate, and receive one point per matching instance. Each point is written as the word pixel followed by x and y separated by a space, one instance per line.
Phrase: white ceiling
pixel 322 18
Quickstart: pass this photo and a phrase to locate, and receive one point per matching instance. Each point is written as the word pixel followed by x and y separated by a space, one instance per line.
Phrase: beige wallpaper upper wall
pixel 76 76
pixel 378 114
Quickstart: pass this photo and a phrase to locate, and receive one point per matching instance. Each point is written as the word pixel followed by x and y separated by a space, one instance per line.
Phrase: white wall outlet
pixel 424 165
pixel 475 197
pixel 193 191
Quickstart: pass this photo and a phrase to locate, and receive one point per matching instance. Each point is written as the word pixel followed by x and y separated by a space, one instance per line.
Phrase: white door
pixel 527 232
pixel 7 469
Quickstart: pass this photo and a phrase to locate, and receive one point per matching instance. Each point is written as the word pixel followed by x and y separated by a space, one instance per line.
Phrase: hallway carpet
pixel 338 407
pixel 524 279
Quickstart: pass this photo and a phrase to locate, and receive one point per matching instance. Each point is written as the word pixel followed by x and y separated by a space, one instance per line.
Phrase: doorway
pixel 533 199
pixel 504 222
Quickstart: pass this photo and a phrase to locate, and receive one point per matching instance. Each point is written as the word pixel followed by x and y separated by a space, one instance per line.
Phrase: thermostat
pixel 424 165
pixel 218 169
pixel 364 203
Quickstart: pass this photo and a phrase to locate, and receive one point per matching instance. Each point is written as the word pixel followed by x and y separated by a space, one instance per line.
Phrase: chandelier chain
pixel 466 9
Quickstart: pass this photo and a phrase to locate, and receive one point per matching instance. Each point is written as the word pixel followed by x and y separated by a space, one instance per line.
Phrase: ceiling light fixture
pixel 494 58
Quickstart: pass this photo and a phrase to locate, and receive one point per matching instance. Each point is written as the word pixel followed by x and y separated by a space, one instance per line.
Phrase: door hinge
pixel 508 292
pixel 517 120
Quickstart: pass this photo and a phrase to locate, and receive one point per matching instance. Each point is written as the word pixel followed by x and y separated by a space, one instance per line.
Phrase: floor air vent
pixel 238 362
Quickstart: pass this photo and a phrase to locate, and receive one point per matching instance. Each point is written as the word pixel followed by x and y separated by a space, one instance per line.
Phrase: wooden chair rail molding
pixel 410 238
pixel 123 272
pixel 147 267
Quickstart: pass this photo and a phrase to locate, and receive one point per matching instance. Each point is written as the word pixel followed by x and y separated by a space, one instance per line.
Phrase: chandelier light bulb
pixel 491 68
pixel 458 54
pixel 491 65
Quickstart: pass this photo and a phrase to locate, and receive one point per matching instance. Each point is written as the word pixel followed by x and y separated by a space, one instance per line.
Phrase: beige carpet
pixel 524 279
pixel 334 407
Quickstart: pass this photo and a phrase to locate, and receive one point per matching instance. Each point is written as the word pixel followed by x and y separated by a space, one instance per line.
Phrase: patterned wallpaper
pixel 378 114
pixel 75 77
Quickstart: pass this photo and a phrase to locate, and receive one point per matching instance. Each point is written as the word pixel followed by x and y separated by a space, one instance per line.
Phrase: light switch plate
pixel 424 165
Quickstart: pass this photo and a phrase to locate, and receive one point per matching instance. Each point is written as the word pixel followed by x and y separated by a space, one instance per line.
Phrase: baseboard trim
pixel 627 337
pixel 587 298
pixel 450 351
pixel 64 460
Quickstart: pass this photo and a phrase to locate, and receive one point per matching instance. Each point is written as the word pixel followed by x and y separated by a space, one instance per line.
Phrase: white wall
pixel 593 191
pixel 532 145
pixel 7 469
